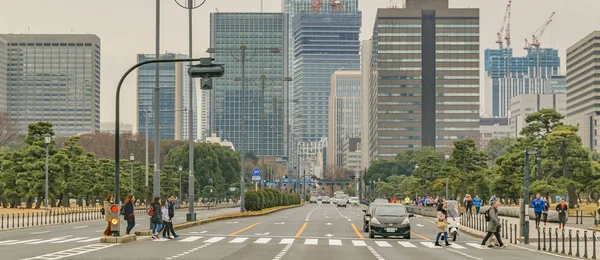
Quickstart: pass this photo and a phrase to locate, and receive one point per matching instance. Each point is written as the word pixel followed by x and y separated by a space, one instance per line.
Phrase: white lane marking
pixel 89 240
pixel 41 232
pixel 328 224
pixel 283 252
pixel 46 241
pixel 329 235
pixel 464 254
pixel 429 244
pixel 187 252
pixel 72 252
pixel 279 223
pixel 232 222
pixel 286 241
pixel 7 241
pixel 406 244
pixel 190 239
pixel 101 230
pixel 455 246
pixel 476 245
pixel 69 240
pixel 311 241
pixel 335 242
pixel 308 215
pixel 420 225
pixel 238 240
pixel 134 226
pixel 383 244
pixel 359 243
pixel 336 209
pixel 80 227
pixel 214 240
pixel 21 242
pixel 375 254
pixel 262 240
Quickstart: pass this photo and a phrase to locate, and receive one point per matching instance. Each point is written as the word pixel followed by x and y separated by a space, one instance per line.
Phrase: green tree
pixel 498 147
pixel 467 167
pixel 380 170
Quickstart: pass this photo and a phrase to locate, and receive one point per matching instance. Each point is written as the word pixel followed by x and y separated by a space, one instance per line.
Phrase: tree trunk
pixel 52 202
pixel 4 203
pixel 80 202
pixel 65 199
pixel 14 203
pixel 28 203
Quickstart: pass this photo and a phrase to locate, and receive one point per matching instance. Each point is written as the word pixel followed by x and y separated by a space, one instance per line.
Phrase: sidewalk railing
pixel 508 231
pixel 563 242
pixel 54 216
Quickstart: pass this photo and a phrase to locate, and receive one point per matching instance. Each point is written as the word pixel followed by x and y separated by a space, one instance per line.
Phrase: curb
pixel 217 218
pixel 118 240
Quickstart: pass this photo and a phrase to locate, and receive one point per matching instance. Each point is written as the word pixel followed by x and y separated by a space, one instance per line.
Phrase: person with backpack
pixel 442 224
pixel 562 208
pixel 155 214
pixel 128 213
pixel 538 207
pixel 477 203
pixel 105 210
pixel 493 225
pixel 170 214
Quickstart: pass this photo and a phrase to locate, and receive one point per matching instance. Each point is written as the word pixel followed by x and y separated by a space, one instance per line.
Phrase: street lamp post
pixel 446 157
pixel 525 205
pixel 131 160
pixel 180 196
pixel 47 140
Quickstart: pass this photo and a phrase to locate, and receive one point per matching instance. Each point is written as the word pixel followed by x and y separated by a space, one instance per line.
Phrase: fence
pixel 53 216
pixel 508 232
pixel 560 243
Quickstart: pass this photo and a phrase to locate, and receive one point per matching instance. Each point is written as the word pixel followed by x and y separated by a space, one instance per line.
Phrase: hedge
pixel 268 198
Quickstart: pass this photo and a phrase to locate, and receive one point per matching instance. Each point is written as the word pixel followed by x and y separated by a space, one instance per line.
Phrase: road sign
pixel 256 174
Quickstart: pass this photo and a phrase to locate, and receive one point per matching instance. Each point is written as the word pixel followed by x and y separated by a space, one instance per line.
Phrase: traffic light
pixel 114 219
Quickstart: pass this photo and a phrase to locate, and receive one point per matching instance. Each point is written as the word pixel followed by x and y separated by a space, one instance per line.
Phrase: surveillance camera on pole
pixel 206 70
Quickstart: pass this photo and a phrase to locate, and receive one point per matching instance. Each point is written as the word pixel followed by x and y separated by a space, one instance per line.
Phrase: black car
pixel 389 220
pixel 369 211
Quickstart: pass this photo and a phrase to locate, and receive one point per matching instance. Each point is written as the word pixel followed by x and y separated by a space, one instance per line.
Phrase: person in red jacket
pixel 562 208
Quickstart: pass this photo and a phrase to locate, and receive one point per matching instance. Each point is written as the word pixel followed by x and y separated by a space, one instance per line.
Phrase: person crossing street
pixel 493 225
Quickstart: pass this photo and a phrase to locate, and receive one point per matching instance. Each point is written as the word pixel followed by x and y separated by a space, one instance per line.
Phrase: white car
pixel 354 201
pixel 341 202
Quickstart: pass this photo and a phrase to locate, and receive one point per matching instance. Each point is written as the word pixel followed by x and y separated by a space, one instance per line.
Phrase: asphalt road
pixel 308 232
pixel 36 241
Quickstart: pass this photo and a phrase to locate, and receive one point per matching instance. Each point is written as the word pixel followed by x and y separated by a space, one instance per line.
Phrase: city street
pixel 30 242
pixel 308 232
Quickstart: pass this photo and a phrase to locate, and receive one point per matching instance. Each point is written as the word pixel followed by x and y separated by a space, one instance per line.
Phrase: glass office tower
pixel 260 33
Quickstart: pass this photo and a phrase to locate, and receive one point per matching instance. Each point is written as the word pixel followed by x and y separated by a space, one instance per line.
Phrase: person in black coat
pixel 171 209
pixel 128 213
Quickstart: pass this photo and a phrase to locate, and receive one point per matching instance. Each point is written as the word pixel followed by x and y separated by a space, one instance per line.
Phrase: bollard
pixel 585 244
pixel 550 239
pixel 2 221
pixel 563 242
pixel 544 237
pixel 18 219
pixel 13 220
pixel 556 243
pixel 595 218
pixel 511 233
pixel 576 216
pixel 577 237
pixel 27 218
pixel 570 238
pixel 594 244
pixel 539 245
pixel 581 221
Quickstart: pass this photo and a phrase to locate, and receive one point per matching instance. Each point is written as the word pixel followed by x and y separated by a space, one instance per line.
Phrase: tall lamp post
pixel 446 157
pixel 180 189
pixel 243 60
pixel 525 205
pixel 131 160
pixel 47 140
pixel 191 216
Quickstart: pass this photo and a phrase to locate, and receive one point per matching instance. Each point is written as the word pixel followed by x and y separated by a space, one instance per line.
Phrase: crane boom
pixel 500 33
pixel 537 35
pixel 507 37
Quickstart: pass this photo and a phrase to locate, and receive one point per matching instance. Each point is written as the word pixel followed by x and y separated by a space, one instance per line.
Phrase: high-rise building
pixel 260 33
pixel 525 76
pixel 3 70
pixel 174 98
pixel 344 113
pixel 204 112
pixel 351 154
pixel 54 78
pixel 583 88
pixel 366 55
pixel 427 77
pixel 556 84
pixel 523 105
pixel 109 127
pixel 493 128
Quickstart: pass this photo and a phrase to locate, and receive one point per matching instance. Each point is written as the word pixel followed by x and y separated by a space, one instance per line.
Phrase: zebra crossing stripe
pixel 286 241
pixel 214 240
pixel 69 240
pixel 190 239
pixel 21 242
pixel 406 244
pixel 311 241
pixel 429 244
pixel 238 240
pixel 455 246
pixel 335 242
pixel 475 245
pixel 97 239
pixel 359 243
pixel 7 241
pixel 46 241
pixel 383 244
pixel 263 240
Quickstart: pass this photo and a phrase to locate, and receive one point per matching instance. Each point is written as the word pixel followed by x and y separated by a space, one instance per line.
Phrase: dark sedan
pixel 389 220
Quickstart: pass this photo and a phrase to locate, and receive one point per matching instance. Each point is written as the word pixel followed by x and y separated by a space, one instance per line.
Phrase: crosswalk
pixel 56 240
pixel 322 242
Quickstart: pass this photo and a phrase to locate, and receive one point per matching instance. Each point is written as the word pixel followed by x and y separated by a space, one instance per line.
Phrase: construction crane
pixel 540 32
pixel 316 5
pixel 505 24
pixel 336 5
pixel 393 4
pixel 535 42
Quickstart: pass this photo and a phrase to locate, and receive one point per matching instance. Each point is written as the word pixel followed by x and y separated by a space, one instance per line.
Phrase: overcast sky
pixel 127 27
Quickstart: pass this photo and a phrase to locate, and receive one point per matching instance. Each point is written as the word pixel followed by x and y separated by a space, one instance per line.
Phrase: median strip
pixel 244 229
pixel 356 231
pixel 301 229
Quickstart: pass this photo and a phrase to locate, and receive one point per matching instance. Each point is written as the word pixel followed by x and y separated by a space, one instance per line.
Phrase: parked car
pixel 388 220
pixel 326 200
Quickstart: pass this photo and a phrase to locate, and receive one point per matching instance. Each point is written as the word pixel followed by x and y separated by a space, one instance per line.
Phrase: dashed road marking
pixel 41 232
pixel 286 241
pixel 80 227
pixel 214 240
pixel 72 252
pixel 406 244
pixel 383 244
pixel 69 240
pixel 190 239
pixel 429 244
pixel 375 254
pixel 335 242
pixel 283 252
pixel 359 243
pixel 464 254
pixel 263 240
pixel 21 242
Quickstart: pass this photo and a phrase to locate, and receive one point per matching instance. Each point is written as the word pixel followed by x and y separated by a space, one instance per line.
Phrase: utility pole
pixel 262 130
pixel 156 177
pixel 146 194
pixel 525 205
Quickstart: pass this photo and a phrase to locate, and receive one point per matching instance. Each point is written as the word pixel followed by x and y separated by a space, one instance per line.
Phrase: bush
pixel 252 201
pixel 268 198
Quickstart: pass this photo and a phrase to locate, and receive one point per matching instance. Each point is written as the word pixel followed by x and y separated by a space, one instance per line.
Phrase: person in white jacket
pixel 167 224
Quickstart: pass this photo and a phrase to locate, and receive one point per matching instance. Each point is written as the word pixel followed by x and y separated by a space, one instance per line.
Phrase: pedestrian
pixel 492 200
pixel 538 207
pixel 477 203
pixel 106 206
pixel 155 217
pixel 171 214
pixel 128 213
pixel 545 211
pixel 442 224
pixel 493 225
pixel 166 221
pixel 562 208
pixel 469 204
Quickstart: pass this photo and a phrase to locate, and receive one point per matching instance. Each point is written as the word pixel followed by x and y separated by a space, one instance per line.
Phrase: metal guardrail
pixel 560 243
pixel 508 232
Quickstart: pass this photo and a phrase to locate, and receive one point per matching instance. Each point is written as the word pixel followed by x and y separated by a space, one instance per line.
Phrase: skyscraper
pixel 427 77
pixel 525 77
pixel 3 70
pixel 54 78
pixel 344 113
pixel 259 33
pixel 174 89
pixel 583 84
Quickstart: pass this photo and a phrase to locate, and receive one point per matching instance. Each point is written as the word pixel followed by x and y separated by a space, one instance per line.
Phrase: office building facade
pixel 260 33
pixel 493 128
pixel 344 113
pixel 427 70
pixel 525 76
pixel 524 105
pixel 3 76
pixel 366 54
pixel 174 98
pixel 583 88
pixel 54 78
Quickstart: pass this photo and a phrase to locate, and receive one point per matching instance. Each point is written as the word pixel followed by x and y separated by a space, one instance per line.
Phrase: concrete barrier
pixel 118 240
pixel 515 212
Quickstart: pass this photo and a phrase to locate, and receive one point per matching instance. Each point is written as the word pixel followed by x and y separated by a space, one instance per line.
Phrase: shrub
pixel 252 201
